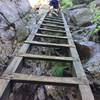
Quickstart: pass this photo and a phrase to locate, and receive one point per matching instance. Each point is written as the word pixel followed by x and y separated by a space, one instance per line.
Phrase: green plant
pixel 96 20
pixel 66 3
pixel 57 69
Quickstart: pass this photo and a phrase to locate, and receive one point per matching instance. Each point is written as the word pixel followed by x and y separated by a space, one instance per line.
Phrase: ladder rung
pixel 49 44
pixel 53 36
pixel 54 17
pixel 24 78
pixel 44 57
pixel 50 30
pixel 53 22
pixel 50 25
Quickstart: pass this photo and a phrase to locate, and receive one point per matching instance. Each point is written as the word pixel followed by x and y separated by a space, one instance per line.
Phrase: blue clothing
pixel 54 3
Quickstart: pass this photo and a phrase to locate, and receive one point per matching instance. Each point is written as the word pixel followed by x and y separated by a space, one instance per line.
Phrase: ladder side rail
pixel 85 90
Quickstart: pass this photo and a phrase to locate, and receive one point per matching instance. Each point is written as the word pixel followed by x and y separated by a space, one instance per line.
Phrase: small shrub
pixel 96 19
pixel 57 70
pixel 66 3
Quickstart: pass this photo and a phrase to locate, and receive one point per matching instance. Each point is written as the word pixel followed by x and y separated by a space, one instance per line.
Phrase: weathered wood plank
pixel 85 90
pixel 52 36
pixel 56 20
pixel 14 65
pixel 54 26
pixel 44 57
pixel 50 30
pixel 79 70
pixel 45 44
pixel 54 17
pixel 43 79
pixel 51 22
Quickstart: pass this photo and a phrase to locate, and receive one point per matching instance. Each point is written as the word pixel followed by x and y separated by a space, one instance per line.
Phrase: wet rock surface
pixel 83 51
pixel 93 64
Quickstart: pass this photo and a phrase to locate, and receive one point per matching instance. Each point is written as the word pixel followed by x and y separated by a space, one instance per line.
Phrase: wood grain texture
pixel 24 78
pixel 45 44
pixel 44 57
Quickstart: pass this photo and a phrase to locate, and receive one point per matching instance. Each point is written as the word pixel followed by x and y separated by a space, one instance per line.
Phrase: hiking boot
pixel 54 13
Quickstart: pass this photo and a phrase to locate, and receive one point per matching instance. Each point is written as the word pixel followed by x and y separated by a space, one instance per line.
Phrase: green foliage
pixel 96 17
pixel 96 20
pixel 66 3
pixel 57 70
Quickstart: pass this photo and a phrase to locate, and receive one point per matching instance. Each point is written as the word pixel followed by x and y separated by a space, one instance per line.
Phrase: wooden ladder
pixel 11 73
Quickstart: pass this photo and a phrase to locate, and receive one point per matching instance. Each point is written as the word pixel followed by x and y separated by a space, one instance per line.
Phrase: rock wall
pixel 17 20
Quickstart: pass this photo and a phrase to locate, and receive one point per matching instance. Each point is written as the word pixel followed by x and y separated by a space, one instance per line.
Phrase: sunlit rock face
pixel 11 8
pixel 34 3
pixel 18 12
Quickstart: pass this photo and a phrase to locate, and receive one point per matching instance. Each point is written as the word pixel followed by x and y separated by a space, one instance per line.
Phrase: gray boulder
pixel 81 16
pixel 97 3
pixel 93 66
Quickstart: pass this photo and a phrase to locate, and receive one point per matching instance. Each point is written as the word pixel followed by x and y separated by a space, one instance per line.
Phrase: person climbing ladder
pixel 54 7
